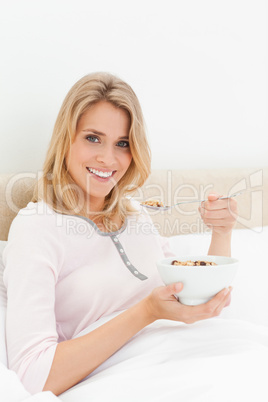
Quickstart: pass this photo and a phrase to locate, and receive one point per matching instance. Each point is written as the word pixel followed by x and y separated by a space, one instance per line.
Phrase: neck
pixel 93 206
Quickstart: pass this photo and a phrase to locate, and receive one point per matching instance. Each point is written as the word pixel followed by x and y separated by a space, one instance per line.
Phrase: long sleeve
pixel 60 280
pixel 32 261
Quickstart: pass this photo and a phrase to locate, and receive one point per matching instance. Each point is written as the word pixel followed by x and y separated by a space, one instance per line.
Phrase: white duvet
pixel 214 360
pixel 222 359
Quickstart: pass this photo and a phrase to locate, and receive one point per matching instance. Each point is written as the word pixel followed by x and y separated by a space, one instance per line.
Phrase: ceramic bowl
pixel 200 283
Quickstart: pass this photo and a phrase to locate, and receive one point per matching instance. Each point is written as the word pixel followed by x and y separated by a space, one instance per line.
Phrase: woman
pixel 78 251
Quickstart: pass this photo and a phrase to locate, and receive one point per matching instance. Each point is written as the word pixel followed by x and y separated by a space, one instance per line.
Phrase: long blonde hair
pixel 56 187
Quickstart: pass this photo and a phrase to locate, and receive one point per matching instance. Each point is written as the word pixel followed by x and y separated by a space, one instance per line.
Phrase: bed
pixel 214 360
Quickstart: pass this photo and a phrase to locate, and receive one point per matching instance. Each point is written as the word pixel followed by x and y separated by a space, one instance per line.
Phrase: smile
pixel 100 173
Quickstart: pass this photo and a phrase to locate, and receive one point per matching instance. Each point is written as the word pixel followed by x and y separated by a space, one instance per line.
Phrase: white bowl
pixel 200 283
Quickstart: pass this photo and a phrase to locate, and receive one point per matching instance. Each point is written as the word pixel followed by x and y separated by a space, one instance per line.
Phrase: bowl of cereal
pixel 202 276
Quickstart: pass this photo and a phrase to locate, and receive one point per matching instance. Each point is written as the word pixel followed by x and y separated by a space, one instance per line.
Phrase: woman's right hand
pixel 162 304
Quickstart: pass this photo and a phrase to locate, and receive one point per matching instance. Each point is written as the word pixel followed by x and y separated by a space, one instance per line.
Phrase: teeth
pixel 100 173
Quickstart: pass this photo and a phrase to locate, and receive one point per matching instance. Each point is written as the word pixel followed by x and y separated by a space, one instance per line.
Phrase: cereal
pixel 153 203
pixel 190 263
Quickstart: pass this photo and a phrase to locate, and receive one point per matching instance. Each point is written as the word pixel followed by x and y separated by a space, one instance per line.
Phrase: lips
pixel 101 173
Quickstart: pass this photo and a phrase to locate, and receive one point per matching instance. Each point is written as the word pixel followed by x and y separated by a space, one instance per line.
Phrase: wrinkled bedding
pixel 214 360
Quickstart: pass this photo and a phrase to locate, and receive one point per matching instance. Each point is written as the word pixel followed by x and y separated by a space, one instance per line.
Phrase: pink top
pixel 62 274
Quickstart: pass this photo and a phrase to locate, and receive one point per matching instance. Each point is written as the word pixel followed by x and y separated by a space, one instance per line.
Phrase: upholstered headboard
pixel 170 186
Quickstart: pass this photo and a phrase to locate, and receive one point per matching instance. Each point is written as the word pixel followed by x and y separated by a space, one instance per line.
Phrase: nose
pixel 106 155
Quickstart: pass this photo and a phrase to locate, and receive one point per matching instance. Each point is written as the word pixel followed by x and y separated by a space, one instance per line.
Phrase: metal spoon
pixel 166 207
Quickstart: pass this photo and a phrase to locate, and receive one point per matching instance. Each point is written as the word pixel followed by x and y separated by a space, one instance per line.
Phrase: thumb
pixel 169 290
pixel 213 196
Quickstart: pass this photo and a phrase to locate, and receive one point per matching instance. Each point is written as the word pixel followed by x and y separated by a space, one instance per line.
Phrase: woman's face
pixel 100 154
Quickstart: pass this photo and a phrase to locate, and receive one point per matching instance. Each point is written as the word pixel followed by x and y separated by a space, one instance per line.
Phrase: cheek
pixel 129 158
pixel 76 156
pixel 125 162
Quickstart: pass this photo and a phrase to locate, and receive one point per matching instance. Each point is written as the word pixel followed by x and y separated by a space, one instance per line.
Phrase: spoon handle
pixel 221 198
pixel 231 196
pixel 165 208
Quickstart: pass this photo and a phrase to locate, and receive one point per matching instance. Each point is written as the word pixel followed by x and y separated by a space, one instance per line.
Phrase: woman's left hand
pixel 219 215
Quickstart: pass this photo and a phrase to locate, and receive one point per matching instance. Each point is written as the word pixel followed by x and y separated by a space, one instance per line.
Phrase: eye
pixel 92 138
pixel 123 144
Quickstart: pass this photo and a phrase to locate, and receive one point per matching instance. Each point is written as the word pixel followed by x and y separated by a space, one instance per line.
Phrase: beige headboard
pixel 170 186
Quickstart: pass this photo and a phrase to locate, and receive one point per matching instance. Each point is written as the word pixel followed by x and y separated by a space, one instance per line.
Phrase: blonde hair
pixel 56 187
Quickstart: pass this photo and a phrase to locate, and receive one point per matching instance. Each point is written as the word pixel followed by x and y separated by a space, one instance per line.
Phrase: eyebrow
pixel 89 130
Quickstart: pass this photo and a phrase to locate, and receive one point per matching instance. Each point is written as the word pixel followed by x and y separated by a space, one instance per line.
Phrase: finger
pixel 229 203
pixel 217 204
pixel 208 309
pixel 226 301
pixel 230 220
pixel 219 222
pixel 169 290
pixel 215 213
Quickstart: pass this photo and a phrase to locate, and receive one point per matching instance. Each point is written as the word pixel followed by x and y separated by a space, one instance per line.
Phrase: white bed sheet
pixel 214 360
pixel 12 390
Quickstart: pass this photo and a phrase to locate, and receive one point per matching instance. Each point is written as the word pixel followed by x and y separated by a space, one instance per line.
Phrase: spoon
pixel 166 207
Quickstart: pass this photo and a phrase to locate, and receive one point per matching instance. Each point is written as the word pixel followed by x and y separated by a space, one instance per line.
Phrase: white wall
pixel 199 68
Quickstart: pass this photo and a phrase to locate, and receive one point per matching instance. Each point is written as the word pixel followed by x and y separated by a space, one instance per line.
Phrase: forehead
pixel 106 118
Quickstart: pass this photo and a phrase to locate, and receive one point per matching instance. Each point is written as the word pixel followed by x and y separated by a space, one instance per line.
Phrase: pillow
pixel 3 305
